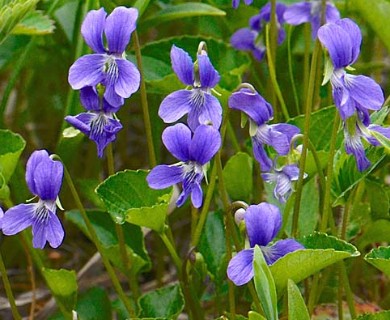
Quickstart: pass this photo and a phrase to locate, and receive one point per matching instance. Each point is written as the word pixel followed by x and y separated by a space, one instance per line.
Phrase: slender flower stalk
pixel 95 239
pixel 8 290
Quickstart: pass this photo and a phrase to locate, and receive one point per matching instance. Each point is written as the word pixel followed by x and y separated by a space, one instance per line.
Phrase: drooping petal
pixel 292 171
pixel 283 188
pixel 111 96
pixel 209 77
pixel 211 111
pixel 196 195
pixel 346 106
pixel 243 39
pixel 287 129
pixel 235 3
pixel 177 140
pixel 92 29
pixel 298 13
pixel 18 218
pixel 87 71
pixel 353 145
pixel 260 154
pixel 182 65
pixel 262 223
pixel 54 230
pixel 280 136
pixel 128 78
pixel 175 105
pixel 331 13
pixel 35 159
pixel 81 122
pixel 338 43
pixel 365 91
pixel 205 144
pixel 240 268
pixel 164 176
pixel 119 26
pixel 252 104
pixel 48 179
pixel 279 249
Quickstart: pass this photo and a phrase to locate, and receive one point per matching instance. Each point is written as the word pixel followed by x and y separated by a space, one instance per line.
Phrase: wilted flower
pixel 193 153
pixel 262 222
pixel 202 107
pixel 302 12
pixel 251 39
pixel 44 179
pixel 351 93
pixel 260 111
pixel 107 66
pixel 99 123
pixel 283 179
pixel 354 131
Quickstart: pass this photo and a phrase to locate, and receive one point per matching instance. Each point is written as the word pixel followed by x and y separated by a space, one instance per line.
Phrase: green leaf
pixel 378 198
pixel 212 245
pixel 321 125
pixel 128 197
pixel 11 147
pixel 237 175
pixel 265 286
pixel 230 63
pixel 182 11
pixel 321 250
pixel 253 315
pixel 166 302
pixel 105 230
pixel 383 315
pixel 296 305
pixel 34 23
pixel 346 174
pixel 384 141
pixel 63 285
pixel 12 13
pixel 94 304
pixel 378 231
pixel 380 259
pixel 376 13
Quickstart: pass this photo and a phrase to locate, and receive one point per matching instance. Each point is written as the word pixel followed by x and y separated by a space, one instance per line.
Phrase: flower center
pixel 198 98
pixel 98 124
pixel 192 172
pixel 42 212
pixel 111 69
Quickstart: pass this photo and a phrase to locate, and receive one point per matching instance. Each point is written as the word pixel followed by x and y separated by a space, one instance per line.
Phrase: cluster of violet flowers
pixel 353 95
pixel 105 78
pixel 196 144
pixel 252 38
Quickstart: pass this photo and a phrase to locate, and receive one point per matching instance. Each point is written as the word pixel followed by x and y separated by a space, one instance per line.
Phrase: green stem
pixel 8 290
pixel 290 70
pixel 340 294
pixel 348 291
pixel 190 298
pixel 329 175
pixel 98 245
pixel 302 162
pixel 272 74
pixel 144 103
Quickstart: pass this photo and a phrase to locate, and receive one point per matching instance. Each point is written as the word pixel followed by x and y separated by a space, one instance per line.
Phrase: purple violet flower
pixel 262 222
pixel 251 39
pixel 202 107
pixel 107 66
pixel 283 178
pixel 194 153
pixel 351 93
pixel 260 111
pixel 354 131
pixel 99 123
pixel 44 179
pixel 303 12
pixel 236 3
